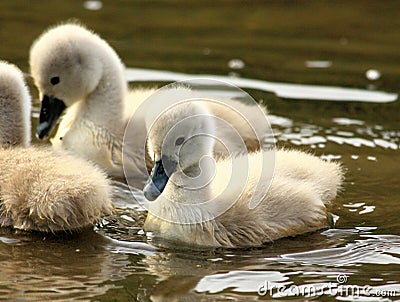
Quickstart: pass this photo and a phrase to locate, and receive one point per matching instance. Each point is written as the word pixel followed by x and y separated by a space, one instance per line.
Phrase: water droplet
pixel 93 5
pixel 330 157
pixel 376 279
pixel 346 121
pixel 206 51
pixel 345 133
pixel 318 64
pixel 280 121
pixel 373 74
pixel 367 209
pixel 354 205
pixel 236 64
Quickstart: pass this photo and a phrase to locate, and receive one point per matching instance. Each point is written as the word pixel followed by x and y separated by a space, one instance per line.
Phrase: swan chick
pixel 15 104
pixel 198 200
pixel 42 189
pixel 81 80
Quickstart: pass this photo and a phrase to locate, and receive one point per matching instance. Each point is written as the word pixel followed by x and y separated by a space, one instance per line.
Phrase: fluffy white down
pixel 15 99
pixel 297 194
pixel 99 103
pixel 42 189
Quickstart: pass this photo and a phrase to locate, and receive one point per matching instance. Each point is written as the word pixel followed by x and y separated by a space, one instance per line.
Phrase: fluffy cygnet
pixel 42 189
pixel 81 77
pixel 230 202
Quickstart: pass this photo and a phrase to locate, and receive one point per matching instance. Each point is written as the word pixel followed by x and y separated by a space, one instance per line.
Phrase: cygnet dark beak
pixel 157 182
pixel 50 111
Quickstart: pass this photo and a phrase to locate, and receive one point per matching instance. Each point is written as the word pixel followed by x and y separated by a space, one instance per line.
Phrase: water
pixel 331 45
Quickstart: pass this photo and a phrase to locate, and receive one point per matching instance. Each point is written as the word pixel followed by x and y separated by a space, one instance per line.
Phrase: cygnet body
pixel 230 202
pixel 42 189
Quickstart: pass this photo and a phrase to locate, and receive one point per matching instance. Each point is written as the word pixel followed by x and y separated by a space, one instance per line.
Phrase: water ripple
pixel 350 132
pixel 284 90
pixel 376 249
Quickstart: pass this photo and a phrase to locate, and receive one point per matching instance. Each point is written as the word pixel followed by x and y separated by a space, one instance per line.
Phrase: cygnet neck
pixel 105 105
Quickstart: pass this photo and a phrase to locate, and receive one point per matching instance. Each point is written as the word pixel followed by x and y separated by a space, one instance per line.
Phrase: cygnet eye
pixel 55 80
pixel 179 141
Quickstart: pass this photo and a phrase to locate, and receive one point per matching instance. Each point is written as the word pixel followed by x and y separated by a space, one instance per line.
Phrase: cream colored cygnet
pixel 81 80
pixel 42 189
pixel 201 201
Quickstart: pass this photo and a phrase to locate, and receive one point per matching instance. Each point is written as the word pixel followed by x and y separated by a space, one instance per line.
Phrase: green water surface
pixel 274 40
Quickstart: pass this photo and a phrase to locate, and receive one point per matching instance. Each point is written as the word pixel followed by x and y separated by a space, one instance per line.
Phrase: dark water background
pixel 276 41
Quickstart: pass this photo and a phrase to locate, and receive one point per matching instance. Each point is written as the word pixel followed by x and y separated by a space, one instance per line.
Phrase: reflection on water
pixel 318 267
pixel 284 90
pixel 343 131
pixel 376 249
pixel 40 268
pixel 299 60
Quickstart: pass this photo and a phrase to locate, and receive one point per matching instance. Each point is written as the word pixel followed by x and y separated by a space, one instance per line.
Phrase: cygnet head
pixel 178 140
pixel 67 63
pixel 15 107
